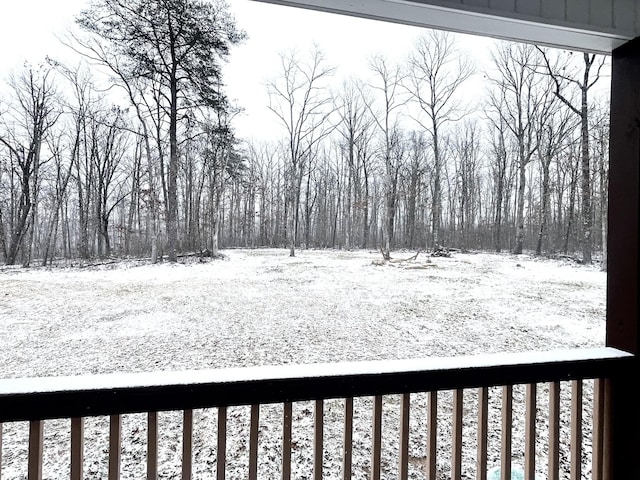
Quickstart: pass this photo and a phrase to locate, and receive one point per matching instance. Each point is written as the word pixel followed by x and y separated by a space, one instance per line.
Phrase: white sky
pixel 347 42
pixel 28 31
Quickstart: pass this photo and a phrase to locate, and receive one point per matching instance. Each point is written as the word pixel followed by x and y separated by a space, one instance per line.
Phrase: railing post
pixel 77 448
pixel 376 447
pixel 254 429
pixel 152 446
pixel 621 425
pixel 597 450
pixel 456 460
pixel 576 429
pixel 187 444
pixel 36 435
pixel 222 443
pixel 507 431
pixel 348 439
pixel 483 429
pixel 318 440
pixel 405 412
pixel 286 440
pixel 432 435
pixel 554 431
pixel 530 432
pixel 115 443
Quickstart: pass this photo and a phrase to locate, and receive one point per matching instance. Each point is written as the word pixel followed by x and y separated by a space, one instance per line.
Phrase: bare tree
pixel 302 104
pixel 415 172
pixel 63 168
pixel 265 160
pixel 109 147
pixel 467 150
pixel 386 92
pixel 568 176
pixel 97 51
pixel 567 75
pixel 499 161
pixel 553 139
pixel 519 99
pixel 436 72
pixel 221 163
pixel 354 128
pixel 23 134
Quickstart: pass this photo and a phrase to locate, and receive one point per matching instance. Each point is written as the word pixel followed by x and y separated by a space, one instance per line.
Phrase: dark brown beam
pixel 621 424
pixel 624 178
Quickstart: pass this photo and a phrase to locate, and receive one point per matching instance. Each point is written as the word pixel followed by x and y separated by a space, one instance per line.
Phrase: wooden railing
pixel 469 386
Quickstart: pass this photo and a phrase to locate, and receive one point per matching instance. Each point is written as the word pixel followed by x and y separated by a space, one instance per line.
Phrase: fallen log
pixel 387 257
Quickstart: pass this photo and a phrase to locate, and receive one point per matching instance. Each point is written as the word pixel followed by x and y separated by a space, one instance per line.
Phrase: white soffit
pixel 501 19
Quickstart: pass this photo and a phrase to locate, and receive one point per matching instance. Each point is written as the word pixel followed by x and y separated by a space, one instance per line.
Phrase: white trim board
pixel 486 21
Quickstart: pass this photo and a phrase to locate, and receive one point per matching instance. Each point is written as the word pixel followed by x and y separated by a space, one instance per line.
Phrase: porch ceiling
pixel 589 25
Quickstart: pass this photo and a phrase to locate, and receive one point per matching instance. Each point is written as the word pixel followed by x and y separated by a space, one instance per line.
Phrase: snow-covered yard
pixel 262 307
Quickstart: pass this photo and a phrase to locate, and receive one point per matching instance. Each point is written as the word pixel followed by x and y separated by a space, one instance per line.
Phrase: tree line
pixel 400 158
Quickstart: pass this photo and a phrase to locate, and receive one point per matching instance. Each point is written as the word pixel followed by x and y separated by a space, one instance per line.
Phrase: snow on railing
pixel 426 432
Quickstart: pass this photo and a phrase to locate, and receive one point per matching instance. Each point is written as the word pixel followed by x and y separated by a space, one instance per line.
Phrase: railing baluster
pixel 221 471
pixel 36 436
pixel 554 431
pixel 405 407
pixel 286 441
pixel 152 445
pixel 432 435
pixel 115 439
pixel 318 440
pixel 530 432
pixel 1 450
pixel 607 433
pixel 77 448
pixel 253 442
pixel 507 431
pixel 576 430
pixel 348 439
pixel 483 433
pixel 456 441
pixel 376 450
pixel 597 453
pixel 187 444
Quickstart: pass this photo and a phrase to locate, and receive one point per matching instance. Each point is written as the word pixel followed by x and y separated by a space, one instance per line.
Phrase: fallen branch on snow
pixel 402 262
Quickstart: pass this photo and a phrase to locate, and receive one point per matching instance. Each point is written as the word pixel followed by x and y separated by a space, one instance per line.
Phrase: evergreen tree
pixel 178 45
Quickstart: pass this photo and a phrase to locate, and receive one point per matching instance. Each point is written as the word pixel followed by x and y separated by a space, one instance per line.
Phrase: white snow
pixel 263 307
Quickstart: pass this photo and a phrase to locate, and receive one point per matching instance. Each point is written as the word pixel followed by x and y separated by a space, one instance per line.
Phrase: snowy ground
pixel 263 307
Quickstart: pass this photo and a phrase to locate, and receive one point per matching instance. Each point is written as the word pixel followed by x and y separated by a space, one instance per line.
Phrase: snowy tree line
pixel 400 158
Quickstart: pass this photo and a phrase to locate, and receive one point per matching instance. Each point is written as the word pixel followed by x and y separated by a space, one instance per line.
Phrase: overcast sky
pixel 28 30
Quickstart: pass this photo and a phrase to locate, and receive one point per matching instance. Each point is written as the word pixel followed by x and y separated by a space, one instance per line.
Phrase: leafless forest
pixel 401 158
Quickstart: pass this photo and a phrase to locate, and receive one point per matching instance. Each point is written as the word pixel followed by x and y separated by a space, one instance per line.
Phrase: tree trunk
pixel 292 214
pixel 520 209
pixel 571 212
pixel 19 230
pixel 543 235
pixel 365 210
pixel 172 190
pixel 436 201
pixel 587 221
pixel 498 212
